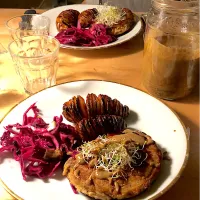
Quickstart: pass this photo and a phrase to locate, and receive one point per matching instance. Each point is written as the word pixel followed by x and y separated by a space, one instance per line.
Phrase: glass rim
pixel 6 23
pixel 35 57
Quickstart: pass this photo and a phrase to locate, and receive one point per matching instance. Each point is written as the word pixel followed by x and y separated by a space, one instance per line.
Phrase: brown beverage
pixel 171 64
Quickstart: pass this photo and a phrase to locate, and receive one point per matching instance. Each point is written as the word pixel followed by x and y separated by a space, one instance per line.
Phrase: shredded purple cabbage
pixel 30 141
pixel 95 36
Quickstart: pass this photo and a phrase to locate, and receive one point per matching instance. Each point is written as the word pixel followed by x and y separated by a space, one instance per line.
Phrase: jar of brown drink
pixel 171 49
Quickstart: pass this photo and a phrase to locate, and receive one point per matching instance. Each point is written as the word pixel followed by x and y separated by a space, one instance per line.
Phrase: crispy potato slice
pixel 66 112
pixel 103 107
pixel 99 125
pixel 89 105
pixel 94 104
pixel 71 110
pixel 75 109
pixel 80 128
pixel 126 111
pixel 108 104
pixel 67 116
pixel 82 106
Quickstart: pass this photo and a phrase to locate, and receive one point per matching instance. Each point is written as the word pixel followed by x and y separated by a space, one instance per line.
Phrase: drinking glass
pixel 2 49
pixel 28 24
pixel 36 61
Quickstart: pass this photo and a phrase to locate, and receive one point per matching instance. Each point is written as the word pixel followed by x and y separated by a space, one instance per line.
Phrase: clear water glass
pixel 28 24
pixel 2 49
pixel 36 61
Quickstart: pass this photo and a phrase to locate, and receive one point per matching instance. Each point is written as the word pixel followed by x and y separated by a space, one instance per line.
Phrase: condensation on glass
pixel 171 49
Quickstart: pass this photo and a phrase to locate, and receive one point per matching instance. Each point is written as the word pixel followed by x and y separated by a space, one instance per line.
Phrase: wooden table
pixel 119 64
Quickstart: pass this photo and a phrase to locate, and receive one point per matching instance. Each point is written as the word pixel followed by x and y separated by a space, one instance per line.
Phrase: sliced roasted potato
pixel 77 114
pixel 82 106
pixel 89 105
pixel 86 18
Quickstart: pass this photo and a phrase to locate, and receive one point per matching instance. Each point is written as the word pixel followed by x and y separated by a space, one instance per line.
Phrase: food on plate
pixel 95 36
pixel 90 128
pixel 124 25
pixel 41 148
pixel 115 167
pixel 86 18
pixel 67 19
pixel 76 108
pixel 38 147
pixel 118 20
pixel 109 22
pixel 99 155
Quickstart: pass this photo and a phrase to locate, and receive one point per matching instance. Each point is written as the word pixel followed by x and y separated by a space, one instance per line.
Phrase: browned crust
pixel 136 182
pixel 66 19
pixel 124 25
pixel 77 109
pixel 86 18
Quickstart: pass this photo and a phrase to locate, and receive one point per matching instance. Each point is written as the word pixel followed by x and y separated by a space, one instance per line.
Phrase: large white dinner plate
pixel 148 115
pixel 53 13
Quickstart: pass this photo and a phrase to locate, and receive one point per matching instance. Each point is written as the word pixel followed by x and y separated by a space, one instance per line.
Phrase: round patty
pixel 135 179
pixel 123 25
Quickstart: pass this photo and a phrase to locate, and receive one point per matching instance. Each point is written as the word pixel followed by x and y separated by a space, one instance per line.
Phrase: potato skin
pixel 77 108
pixel 86 18
pixel 90 128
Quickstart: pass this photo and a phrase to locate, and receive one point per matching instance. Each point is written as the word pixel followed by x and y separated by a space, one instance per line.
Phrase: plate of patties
pixel 102 144
pixel 87 27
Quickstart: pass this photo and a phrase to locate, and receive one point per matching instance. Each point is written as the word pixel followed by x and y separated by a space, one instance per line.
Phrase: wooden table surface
pixel 119 64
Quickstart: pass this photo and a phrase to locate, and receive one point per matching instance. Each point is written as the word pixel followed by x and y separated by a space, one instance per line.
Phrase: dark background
pixel 40 4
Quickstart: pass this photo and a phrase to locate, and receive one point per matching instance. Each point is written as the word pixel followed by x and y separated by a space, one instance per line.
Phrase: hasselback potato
pixel 86 18
pixel 77 109
pixel 67 18
pixel 90 128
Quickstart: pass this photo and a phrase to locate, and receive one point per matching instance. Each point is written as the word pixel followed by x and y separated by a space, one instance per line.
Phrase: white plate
pixel 150 116
pixel 53 13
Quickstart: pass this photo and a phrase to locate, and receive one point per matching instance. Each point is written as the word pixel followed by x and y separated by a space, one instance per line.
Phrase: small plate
pixel 148 115
pixel 53 13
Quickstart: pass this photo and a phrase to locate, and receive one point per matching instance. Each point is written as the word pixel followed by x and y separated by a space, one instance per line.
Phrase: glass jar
pixel 171 49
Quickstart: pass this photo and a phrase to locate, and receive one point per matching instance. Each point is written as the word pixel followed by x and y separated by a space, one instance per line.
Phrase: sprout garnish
pixel 112 156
